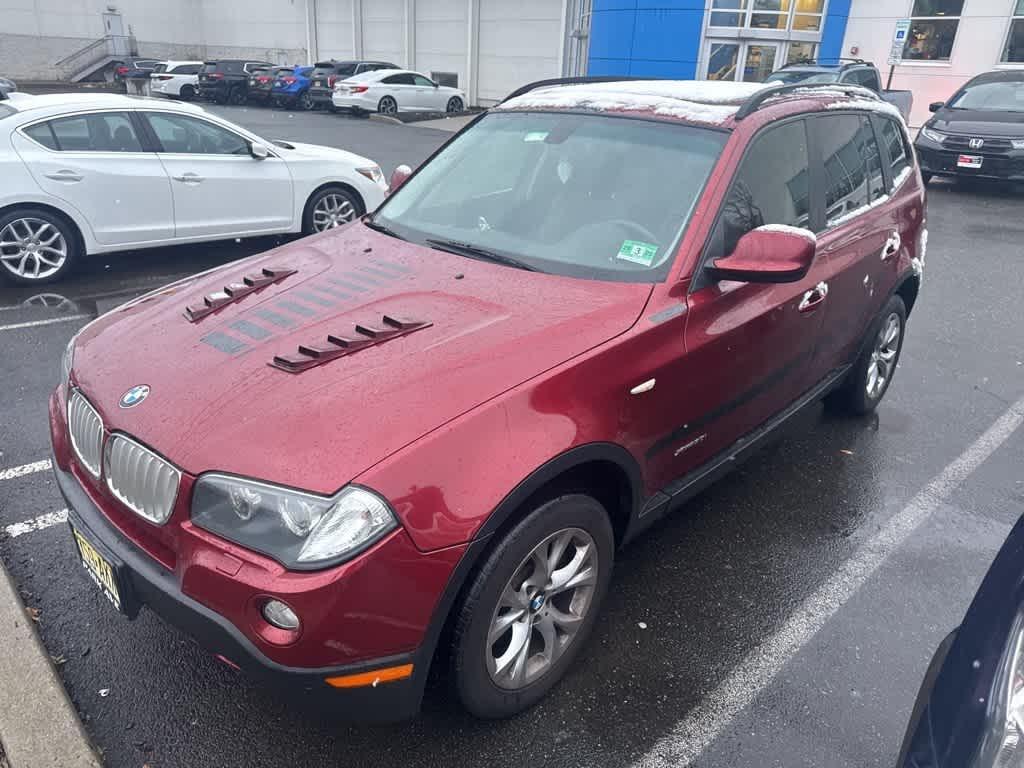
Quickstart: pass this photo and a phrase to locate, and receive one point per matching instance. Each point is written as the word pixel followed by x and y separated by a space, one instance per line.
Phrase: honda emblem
pixel 976 143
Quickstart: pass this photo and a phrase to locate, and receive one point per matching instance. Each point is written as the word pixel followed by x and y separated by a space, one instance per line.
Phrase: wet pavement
pixel 688 601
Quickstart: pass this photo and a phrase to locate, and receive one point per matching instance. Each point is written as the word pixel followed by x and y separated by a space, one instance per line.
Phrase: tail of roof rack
pixel 573 81
pixel 755 102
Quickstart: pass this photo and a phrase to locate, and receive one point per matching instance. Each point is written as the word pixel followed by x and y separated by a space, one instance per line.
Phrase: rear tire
pixel 188 93
pixel 869 379
pixel 926 177
pixel 305 101
pixel 519 599
pixel 237 96
pixel 47 246
pixel 387 106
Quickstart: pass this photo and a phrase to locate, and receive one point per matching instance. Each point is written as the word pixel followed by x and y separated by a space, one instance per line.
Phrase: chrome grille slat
pixel 140 479
pixel 85 427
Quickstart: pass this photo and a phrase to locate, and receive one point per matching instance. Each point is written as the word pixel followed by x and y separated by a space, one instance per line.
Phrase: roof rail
pixel 572 81
pixel 754 103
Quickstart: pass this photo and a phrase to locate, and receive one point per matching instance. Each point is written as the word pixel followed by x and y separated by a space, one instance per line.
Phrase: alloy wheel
pixel 332 210
pixel 454 104
pixel 883 356
pixel 32 249
pixel 306 101
pixel 542 608
pixel 388 106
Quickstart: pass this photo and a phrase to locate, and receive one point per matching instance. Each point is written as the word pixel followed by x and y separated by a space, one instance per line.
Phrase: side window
pixel 41 133
pixel 402 79
pixel 422 82
pixel 899 153
pixel 102 132
pixel 232 67
pixel 873 158
pixel 871 80
pixel 845 157
pixel 189 135
pixel 187 69
pixel 771 187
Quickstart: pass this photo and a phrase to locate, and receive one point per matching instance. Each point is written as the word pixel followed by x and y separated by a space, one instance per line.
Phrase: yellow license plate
pixel 98 568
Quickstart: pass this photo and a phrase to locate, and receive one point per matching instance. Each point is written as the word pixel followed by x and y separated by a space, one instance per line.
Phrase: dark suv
pixel 261 82
pixel 326 73
pixel 227 81
pixel 420 438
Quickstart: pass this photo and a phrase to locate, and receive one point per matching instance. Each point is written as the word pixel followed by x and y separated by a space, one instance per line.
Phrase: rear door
pixel 401 88
pixel 95 161
pixel 219 188
pixel 749 346
pixel 857 235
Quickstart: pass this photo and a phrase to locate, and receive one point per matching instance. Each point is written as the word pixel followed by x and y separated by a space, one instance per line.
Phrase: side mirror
pixel 258 151
pixel 436 85
pixel 769 254
pixel 935 106
pixel 399 175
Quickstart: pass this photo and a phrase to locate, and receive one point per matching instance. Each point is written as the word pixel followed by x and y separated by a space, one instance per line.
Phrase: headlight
pixel 68 359
pixel 373 173
pixel 933 135
pixel 1002 745
pixel 300 530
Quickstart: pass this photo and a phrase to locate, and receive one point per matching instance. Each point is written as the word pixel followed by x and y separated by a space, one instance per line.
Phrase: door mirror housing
pixel 399 175
pixel 769 254
pixel 935 106
pixel 258 151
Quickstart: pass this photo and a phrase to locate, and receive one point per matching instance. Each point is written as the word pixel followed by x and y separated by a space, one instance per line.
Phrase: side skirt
pixel 674 495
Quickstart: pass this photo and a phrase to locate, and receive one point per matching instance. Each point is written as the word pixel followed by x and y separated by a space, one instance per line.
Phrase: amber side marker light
pixel 373 678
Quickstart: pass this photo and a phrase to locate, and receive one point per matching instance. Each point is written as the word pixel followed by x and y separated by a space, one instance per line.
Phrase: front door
pixel 219 188
pixel 748 346
pixel 747 61
pixel 95 162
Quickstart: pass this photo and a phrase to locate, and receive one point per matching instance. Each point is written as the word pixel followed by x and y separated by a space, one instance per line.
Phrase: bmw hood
pixel 311 363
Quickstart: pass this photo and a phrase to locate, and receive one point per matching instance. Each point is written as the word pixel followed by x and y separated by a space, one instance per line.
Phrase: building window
pixel 722 61
pixel 782 15
pixel 1014 51
pixel 933 26
pixel 802 52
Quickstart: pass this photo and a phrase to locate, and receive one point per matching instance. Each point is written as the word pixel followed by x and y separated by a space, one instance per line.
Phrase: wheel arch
pixel 908 290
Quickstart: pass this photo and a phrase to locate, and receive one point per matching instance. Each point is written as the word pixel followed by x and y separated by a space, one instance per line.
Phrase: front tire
pixel 387 106
pixel 329 208
pixel 529 609
pixel 36 246
pixel 871 375
pixel 454 105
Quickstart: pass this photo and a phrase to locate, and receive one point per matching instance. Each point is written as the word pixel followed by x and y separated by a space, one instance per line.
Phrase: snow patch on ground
pixel 700 101
pixel 798 231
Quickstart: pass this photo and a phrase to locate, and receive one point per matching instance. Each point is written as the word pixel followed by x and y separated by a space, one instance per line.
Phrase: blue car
pixel 291 89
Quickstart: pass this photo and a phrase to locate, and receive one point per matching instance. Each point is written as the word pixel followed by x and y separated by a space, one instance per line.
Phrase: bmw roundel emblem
pixel 134 396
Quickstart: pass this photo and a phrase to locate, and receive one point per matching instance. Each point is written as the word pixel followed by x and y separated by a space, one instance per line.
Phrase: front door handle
pixel 65 175
pixel 892 246
pixel 813 298
pixel 188 178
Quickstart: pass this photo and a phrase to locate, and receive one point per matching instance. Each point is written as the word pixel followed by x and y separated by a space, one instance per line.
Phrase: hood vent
pixel 234 291
pixel 312 355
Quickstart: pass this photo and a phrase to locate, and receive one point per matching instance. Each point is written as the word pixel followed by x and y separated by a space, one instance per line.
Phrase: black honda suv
pixel 227 81
pixel 326 73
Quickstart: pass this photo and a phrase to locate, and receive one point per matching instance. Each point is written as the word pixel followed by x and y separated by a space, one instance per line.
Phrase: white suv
pixel 177 79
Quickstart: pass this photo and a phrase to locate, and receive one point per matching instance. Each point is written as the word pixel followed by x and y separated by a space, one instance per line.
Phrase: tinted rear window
pixel 322 71
pixel 209 67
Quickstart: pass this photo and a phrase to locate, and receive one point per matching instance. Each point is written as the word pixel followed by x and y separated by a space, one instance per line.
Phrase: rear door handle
pixel 65 175
pixel 892 246
pixel 813 298
pixel 188 178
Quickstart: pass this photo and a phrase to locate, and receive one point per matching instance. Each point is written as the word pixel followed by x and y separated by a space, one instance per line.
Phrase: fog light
pixel 280 615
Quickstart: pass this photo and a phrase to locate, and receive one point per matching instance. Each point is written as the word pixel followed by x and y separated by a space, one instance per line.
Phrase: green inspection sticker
pixel 638 252
pixel 535 136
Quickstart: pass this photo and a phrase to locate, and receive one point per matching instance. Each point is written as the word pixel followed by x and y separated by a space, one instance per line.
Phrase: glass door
pixel 747 61
pixel 759 61
pixel 723 59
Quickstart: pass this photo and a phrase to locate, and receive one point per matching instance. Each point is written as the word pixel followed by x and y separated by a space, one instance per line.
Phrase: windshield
pixel 790 76
pixel 591 196
pixel 1003 96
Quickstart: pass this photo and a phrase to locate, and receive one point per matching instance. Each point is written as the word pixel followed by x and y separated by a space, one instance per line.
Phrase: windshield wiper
pixel 475 251
pixel 372 223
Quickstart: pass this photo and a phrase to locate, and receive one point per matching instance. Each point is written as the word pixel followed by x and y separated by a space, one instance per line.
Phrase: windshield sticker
pixel 535 136
pixel 638 252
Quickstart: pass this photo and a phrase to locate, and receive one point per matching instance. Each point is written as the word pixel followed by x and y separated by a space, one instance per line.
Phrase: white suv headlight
pixel 300 530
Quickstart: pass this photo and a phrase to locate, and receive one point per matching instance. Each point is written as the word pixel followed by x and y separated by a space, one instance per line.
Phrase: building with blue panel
pixel 712 39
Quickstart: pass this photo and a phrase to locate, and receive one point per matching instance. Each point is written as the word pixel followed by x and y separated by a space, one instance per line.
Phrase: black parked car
pixel 326 73
pixel 970 710
pixel 979 132
pixel 261 82
pixel 227 81
pixel 134 67
pixel 7 86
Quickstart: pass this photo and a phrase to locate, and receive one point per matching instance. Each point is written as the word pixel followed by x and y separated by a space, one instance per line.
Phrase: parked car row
pixel 353 86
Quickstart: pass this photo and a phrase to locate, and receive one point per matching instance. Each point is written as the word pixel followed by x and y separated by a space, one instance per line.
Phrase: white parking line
pixel 34 323
pixel 24 469
pixel 48 520
pixel 703 724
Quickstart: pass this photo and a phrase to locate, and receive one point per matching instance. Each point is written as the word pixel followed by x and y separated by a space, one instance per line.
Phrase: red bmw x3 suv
pixel 441 420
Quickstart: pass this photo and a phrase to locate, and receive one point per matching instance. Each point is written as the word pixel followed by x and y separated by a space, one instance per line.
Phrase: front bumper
pixel 936 160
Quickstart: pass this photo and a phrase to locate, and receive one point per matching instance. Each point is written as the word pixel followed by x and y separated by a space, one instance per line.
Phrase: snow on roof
pixel 868 104
pixel 700 101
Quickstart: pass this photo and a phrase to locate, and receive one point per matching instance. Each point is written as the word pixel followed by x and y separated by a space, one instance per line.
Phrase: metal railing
pixel 99 50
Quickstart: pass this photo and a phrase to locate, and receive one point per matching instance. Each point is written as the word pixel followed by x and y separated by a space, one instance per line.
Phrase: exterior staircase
pixel 93 58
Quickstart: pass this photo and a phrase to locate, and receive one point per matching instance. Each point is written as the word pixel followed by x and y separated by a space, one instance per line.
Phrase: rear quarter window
pixel 41 133
pixel 895 141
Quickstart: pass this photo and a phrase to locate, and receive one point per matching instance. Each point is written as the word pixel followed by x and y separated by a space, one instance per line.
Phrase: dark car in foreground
pixel 979 132
pixel 326 73
pixel 970 709
pixel 291 89
pixel 227 81
pixel 418 439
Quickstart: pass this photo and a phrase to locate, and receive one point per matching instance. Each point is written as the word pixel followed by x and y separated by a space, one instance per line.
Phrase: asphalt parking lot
pixel 736 633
